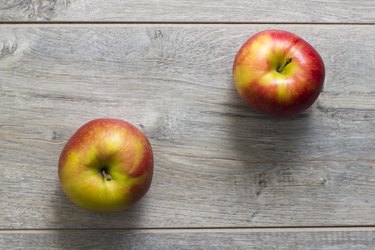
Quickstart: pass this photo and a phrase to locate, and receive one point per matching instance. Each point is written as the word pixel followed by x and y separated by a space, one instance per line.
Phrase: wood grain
pixel 160 239
pixel 218 164
pixel 322 11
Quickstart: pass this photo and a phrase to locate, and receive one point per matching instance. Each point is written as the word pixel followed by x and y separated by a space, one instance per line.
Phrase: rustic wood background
pixel 225 177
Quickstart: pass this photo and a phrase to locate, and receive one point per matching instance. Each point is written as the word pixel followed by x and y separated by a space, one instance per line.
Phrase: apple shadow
pixel 261 138
pixel 85 229
pixel 268 150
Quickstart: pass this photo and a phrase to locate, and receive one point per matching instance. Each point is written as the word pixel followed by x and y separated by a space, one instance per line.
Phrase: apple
pixel 106 166
pixel 279 73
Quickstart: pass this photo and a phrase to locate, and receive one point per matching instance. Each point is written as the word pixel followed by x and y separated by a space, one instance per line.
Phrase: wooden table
pixel 225 177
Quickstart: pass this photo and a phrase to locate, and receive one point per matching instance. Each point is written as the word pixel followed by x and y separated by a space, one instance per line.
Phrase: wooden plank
pixel 322 11
pixel 187 239
pixel 218 164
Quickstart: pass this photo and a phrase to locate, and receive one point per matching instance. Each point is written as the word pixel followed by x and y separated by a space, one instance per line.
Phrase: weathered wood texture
pixel 344 11
pixel 217 162
pixel 187 239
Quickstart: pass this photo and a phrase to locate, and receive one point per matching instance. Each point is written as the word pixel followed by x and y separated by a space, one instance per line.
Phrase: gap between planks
pixel 204 230
pixel 170 24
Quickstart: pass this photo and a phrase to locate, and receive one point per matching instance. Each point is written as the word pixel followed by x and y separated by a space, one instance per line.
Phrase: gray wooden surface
pixel 338 11
pixel 225 177
pixel 218 164
pixel 189 239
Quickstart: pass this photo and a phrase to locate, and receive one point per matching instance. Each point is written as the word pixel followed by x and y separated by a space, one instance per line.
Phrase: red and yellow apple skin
pixel 106 166
pixel 278 73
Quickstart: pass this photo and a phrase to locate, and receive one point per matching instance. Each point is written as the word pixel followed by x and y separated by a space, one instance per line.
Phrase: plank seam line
pixel 201 230
pixel 177 23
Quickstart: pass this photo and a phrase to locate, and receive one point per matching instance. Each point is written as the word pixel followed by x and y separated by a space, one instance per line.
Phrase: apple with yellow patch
pixel 279 73
pixel 106 166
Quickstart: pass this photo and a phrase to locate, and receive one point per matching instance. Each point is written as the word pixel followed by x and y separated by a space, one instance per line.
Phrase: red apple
pixel 106 166
pixel 278 73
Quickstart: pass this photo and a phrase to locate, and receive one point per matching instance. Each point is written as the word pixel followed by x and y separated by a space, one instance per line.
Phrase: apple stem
pixel 287 61
pixel 106 175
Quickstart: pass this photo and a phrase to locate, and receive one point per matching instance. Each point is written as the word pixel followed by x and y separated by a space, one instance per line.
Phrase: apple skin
pixel 265 85
pixel 120 150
